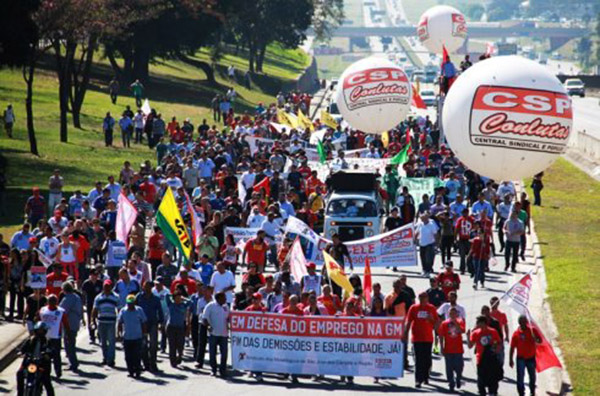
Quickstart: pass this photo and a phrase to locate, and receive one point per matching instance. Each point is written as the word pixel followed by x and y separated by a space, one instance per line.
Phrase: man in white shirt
pixel 340 162
pixel 190 175
pixel 248 178
pixel 216 319
pixel 427 237
pixel 255 219
pixel 223 281
pixel 271 226
pixel 206 168
pixel 506 188
pixel 114 187
pixel 49 244
pixel 444 309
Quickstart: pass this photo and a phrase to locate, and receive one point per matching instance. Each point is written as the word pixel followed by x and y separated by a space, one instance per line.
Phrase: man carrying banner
pixel 524 340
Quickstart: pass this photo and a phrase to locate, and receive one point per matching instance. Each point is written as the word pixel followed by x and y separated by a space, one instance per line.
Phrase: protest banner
pixel 417 186
pixel 240 233
pixel 257 143
pixel 317 345
pixel 37 277
pixel 395 248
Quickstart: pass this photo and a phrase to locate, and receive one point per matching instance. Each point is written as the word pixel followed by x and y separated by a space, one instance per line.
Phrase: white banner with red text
pixel 394 248
pixel 317 345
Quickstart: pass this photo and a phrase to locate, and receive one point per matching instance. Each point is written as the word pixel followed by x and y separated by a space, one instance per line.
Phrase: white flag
pixel 126 215
pixel 297 261
pixel 146 107
pixel 517 297
pixel 47 261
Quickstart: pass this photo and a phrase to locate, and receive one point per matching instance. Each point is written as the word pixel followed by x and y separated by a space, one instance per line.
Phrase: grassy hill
pixel 177 88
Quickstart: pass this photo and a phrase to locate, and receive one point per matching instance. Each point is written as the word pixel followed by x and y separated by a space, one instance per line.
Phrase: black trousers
pixel 44 379
pixel 55 346
pixel 16 296
pixel 486 381
pixel 202 342
pixel 133 355
pixel 108 137
pixel 501 232
pixel 195 332
pixel 422 360
pixel 463 250
pixel 446 247
pixel 511 255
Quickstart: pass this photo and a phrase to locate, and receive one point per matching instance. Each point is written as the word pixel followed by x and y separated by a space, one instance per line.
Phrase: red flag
pixel 264 183
pixel 417 101
pixel 517 297
pixel 545 357
pixel 445 56
pixel 367 281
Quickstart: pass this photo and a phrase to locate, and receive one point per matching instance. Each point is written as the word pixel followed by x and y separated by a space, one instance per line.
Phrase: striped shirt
pixel 107 306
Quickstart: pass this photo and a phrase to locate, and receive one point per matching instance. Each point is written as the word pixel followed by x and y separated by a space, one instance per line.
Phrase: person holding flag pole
pixel 524 341
pixel 169 219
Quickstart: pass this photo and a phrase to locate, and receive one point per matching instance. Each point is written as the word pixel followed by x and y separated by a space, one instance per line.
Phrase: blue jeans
pixel 107 338
pixel 523 364
pixel 222 343
pixel 479 267
pixel 454 365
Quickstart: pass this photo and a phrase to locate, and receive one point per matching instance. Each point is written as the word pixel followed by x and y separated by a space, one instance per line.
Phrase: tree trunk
pixel 261 58
pixel 81 80
pixel 205 66
pixel 28 73
pixel 141 64
pixel 251 56
pixel 110 54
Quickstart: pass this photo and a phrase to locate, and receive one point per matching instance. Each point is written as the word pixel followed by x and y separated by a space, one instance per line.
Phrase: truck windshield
pixel 352 208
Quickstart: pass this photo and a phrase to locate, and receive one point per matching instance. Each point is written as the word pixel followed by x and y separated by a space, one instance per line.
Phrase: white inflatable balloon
pixel 507 118
pixel 373 95
pixel 442 26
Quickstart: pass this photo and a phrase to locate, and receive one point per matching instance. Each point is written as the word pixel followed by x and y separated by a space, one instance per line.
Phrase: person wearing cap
pixel 152 307
pixel 104 315
pixel 35 346
pixel 436 296
pixel 312 282
pixel 132 327
pixel 35 207
pixel 448 279
pixel 57 222
pixel 256 305
pixel 421 321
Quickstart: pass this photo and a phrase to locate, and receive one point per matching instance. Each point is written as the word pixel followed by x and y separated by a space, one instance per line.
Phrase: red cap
pixel 35 189
pixel 108 282
pixel 257 295
pixel 311 265
pixel 57 213
pixel 32 240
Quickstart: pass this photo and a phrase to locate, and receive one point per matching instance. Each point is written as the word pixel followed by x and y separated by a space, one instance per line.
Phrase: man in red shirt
pixel 148 190
pixel 256 305
pixel 524 340
pixel 55 280
pixel 256 251
pixel 480 253
pixel 462 232
pixel 486 342
pixel 422 319
pixel 499 316
pixel 450 332
pixel 156 248
pixel 449 280
pixel 184 279
pixel 292 308
pixel 330 301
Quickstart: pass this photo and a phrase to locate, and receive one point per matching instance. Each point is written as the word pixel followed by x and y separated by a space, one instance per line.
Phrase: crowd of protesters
pixel 142 291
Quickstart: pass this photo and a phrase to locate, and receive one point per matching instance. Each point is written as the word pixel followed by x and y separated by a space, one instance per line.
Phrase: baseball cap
pixel 311 265
pixel 107 282
pixel 32 240
pixel 159 279
pixel 130 299
pixel 257 295
pixel 449 264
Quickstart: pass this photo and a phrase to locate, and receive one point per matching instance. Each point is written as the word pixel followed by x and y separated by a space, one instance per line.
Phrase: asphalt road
pixel 585 115
pixel 100 380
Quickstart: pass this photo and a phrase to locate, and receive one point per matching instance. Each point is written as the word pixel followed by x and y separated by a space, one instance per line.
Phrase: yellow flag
pixel 385 139
pixel 287 119
pixel 336 274
pixel 304 121
pixel 169 219
pixel 328 120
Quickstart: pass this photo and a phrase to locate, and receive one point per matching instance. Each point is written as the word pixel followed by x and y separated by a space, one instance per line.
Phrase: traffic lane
pixel 103 380
pixel 585 115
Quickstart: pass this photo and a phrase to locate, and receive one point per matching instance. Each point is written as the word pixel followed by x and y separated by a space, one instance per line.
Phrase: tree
pixel 475 12
pixel 327 15
pixel 162 28
pixel 19 47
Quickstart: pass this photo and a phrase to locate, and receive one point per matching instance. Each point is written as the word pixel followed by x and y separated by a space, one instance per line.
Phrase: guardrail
pixel 586 144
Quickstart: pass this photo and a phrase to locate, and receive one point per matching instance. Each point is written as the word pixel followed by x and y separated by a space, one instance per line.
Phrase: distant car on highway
pixel 418 75
pixel 575 86
pixel 429 98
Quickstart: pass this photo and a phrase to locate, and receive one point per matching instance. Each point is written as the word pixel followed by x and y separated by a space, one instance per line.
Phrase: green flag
pixel 321 151
pixel 401 157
